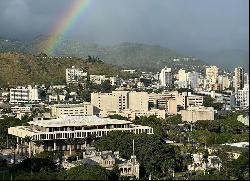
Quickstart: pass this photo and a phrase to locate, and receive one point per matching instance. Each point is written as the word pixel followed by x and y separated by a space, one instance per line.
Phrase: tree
pixel 205 159
pixel 70 142
pixel 87 172
pixel 28 140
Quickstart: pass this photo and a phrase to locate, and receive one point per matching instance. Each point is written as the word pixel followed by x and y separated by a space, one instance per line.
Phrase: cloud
pixel 188 26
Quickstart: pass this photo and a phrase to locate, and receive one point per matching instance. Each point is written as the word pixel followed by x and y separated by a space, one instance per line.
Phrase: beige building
pixel 212 74
pixel 193 114
pixel 65 109
pixel 120 100
pixel 132 114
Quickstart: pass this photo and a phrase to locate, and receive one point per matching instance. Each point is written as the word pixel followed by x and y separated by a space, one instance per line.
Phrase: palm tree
pixel 38 143
pixel 70 141
pixel 13 146
pixel 205 160
pixel 28 140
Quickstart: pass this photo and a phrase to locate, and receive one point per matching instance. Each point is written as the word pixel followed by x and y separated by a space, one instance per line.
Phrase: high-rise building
pixel 193 79
pixel 238 78
pixel 166 77
pixel 224 81
pixel 246 78
pixel 212 74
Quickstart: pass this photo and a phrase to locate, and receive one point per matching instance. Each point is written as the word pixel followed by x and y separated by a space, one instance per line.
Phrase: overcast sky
pixel 191 26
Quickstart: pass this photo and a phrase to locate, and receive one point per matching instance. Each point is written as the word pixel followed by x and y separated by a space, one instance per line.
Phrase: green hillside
pixel 23 69
pixel 128 55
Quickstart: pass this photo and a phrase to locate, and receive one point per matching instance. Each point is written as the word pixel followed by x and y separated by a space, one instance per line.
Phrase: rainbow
pixel 65 24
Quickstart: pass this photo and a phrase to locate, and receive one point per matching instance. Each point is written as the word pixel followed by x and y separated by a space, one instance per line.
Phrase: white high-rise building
pixel 238 78
pixel 242 97
pixel 166 77
pixel 74 75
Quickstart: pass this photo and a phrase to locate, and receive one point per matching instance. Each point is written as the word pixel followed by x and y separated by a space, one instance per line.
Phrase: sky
pixel 214 30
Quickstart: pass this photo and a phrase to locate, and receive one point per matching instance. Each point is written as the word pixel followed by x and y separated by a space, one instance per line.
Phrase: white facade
pixel 98 79
pixel 242 97
pixel 166 77
pixel 74 75
pixel 74 126
pixel 24 95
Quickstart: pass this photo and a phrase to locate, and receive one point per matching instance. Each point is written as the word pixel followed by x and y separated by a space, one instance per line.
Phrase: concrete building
pixel 193 114
pixel 238 78
pixel 242 97
pixel 224 82
pixel 166 77
pixel 120 100
pixel 193 79
pixel 27 94
pixel 132 114
pixel 54 133
pixel 74 75
pixel 66 109
pixel 246 78
pixel 97 79
pixel 212 74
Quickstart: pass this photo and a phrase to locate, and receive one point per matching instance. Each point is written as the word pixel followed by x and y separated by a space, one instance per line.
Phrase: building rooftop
pixel 77 120
pixel 70 105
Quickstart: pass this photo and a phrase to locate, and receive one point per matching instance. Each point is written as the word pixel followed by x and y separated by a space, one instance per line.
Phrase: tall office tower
pixel 238 78
pixel 224 81
pixel 193 79
pixel 166 77
pixel 246 78
pixel 182 79
pixel 212 74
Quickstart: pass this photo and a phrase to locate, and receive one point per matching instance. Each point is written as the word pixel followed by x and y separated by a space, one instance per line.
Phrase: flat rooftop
pixel 77 120
pixel 70 105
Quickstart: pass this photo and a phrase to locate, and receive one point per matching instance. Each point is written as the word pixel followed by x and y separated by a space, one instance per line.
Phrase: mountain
pixel 23 69
pixel 128 55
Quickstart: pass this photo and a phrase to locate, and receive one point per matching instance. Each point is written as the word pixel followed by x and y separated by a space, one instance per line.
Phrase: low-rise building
pixel 66 109
pixel 54 133
pixel 132 114
pixel 75 75
pixel 98 79
pixel 24 95
pixel 193 114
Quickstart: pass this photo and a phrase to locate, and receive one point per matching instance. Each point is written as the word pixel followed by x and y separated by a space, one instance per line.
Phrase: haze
pixel 216 31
